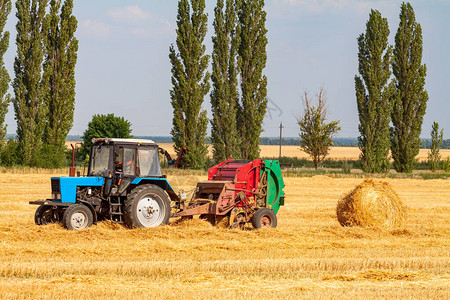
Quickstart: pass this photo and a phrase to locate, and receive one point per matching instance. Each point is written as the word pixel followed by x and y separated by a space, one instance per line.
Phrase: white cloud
pixel 94 29
pixel 140 23
pixel 129 14
pixel 157 28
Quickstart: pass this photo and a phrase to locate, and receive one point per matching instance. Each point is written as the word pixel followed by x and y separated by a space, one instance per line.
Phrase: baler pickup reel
pixel 240 191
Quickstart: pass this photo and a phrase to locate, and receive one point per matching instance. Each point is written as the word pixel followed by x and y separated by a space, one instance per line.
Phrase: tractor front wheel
pixel 45 214
pixel 147 206
pixel 264 217
pixel 78 216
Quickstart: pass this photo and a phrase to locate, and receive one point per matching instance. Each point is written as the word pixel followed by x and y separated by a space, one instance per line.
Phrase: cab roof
pixel 123 141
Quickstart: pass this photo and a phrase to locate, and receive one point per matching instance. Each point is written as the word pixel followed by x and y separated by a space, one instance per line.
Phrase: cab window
pixel 149 162
pixel 100 159
pixel 129 165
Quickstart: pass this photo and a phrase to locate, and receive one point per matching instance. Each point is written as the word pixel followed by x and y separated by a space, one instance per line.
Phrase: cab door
pixel 125 167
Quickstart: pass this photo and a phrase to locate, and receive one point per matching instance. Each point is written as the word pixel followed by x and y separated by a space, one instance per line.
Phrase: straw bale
pixel 371 204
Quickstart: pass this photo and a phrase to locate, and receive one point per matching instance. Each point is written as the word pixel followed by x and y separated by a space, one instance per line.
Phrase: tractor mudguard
pixel 161 182
pixel 91 208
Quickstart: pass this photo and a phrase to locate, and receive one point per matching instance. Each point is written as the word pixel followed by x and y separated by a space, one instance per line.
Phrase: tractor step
pixel 115 212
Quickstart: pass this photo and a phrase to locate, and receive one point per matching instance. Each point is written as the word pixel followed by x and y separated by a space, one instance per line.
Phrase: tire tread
pixel 129 217
pixel 256 219
pixel 68 213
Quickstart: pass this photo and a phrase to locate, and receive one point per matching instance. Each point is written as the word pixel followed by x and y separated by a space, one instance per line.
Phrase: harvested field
pixel 309 255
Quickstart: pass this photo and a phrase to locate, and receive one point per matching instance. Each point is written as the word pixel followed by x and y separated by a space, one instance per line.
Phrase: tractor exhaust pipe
pixel 72 169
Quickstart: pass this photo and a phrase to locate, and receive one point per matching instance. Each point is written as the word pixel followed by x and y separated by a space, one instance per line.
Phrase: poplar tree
pixel 252 61
pixel 29 105
pixel 190 83
pixel 373 93
pixel 5 98
pixel 434 157
pixel 59 73
pixel 410 101
pixel 224 95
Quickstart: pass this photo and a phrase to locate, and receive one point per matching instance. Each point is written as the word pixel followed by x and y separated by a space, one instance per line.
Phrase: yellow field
pixel 309 255
pixel 338 153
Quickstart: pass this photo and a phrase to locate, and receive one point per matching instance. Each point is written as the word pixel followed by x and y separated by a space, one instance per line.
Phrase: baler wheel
pixel 78 216
pixel 45 214
pixel 239 222
pixel 147 206
pixel 264 217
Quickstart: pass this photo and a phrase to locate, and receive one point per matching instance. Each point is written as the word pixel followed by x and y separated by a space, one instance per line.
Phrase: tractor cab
pixel 120 161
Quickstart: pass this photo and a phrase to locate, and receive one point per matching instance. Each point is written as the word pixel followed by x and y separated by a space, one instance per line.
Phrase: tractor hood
pixel 67 186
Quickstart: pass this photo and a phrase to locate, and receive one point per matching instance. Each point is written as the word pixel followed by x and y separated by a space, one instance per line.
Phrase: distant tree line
pixel 286 141
pixel 44 82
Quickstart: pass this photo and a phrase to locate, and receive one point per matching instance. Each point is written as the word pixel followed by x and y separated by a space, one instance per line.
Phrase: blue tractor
pixel 124 184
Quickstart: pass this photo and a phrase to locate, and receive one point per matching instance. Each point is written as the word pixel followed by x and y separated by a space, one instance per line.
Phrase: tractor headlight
pixel 53 196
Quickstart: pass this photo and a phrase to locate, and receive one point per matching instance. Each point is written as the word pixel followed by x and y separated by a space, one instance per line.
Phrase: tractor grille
pixel 55 185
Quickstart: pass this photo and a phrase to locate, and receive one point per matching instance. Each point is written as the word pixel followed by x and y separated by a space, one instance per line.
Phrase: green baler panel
pixel 275 184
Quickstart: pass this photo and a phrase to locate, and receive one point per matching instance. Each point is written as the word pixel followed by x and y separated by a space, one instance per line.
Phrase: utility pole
pixel 281 134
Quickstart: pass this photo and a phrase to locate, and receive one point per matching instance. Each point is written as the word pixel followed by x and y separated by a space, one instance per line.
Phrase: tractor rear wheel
pixel 78 216
pixel 264 217
pixel 45 214
pixel 147 206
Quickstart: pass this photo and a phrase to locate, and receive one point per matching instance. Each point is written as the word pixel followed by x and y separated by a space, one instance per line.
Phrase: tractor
pixel 124 184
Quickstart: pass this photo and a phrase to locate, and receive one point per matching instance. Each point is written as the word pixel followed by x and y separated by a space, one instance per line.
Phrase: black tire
pixel 264 217
pixel 147 205
pixel 45 214
pixel 77 216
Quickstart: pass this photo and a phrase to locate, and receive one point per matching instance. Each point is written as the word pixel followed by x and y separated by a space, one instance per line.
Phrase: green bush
pixel 446 164
pixel 50 157
pixel 9 153
pixel 347 167
pixel 295 162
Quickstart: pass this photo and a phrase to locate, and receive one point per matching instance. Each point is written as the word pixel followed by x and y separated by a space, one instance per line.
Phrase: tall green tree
pixel 29 105
pixel 190 82
pixel 410 101
pixel 5 98
pixel 316 136
pixel 252 61
pixel 373 93
pixel 224 96
pixel 59 72
pixel 434 157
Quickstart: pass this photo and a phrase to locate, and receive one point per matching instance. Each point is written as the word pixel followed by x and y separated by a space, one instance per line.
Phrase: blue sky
pixel 123 66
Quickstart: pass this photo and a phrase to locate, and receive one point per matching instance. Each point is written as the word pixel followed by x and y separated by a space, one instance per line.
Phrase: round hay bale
pixel 371 204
